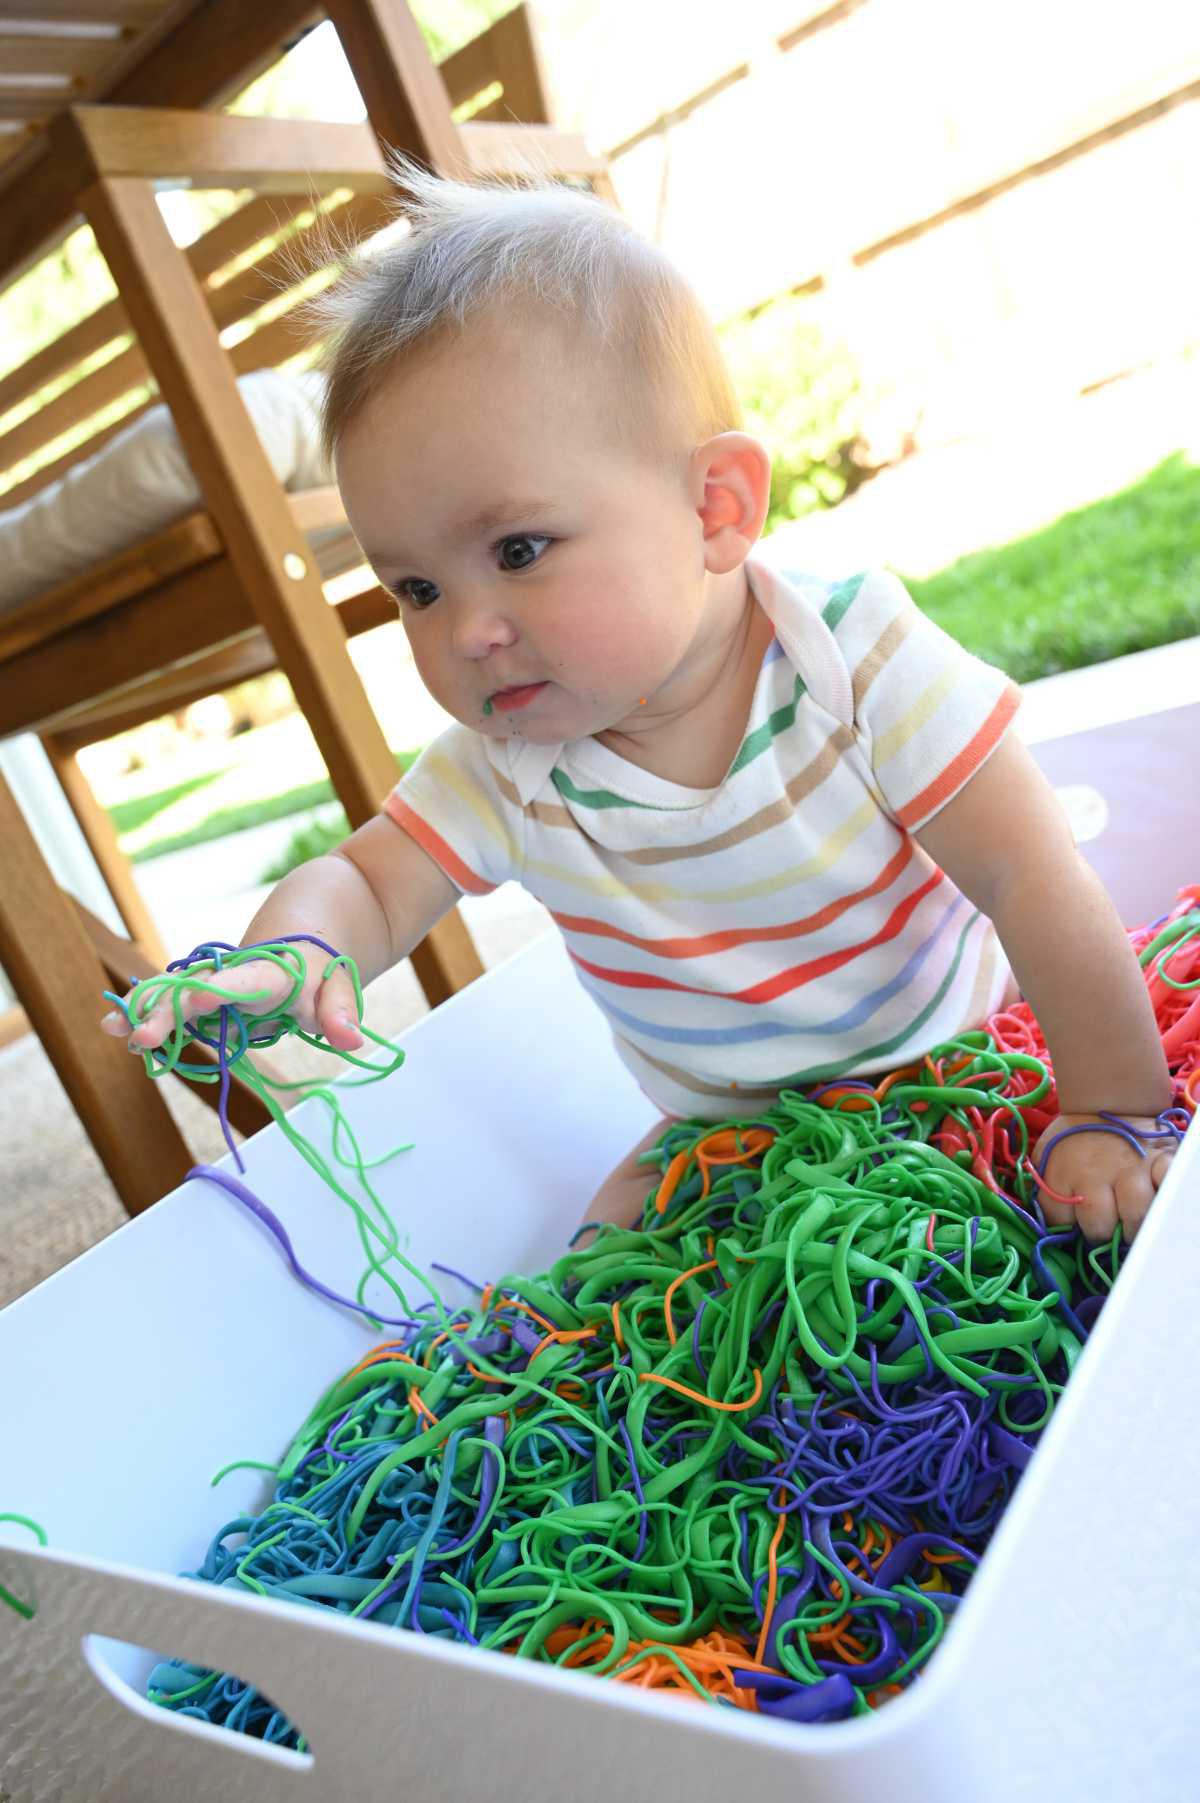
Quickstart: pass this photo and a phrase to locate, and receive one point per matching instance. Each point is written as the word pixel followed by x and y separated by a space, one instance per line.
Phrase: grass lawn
pixel 1120 575
pixel 224 820
pixel 128 816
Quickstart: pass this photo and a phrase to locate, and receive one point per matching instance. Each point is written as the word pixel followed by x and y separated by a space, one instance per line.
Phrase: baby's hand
pixel 1113 1181
pixel 322 1006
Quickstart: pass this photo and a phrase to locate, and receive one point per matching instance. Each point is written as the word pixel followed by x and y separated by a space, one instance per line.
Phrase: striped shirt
pixel 785 926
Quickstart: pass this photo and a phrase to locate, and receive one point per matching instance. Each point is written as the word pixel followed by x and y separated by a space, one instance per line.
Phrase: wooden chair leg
pixel 115 867
pixel 270 557
pixel 58 980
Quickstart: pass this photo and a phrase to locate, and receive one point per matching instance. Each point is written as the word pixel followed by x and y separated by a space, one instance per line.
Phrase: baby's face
pixel 549 581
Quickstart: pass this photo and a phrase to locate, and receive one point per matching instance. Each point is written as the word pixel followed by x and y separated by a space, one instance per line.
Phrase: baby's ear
pixel 731 476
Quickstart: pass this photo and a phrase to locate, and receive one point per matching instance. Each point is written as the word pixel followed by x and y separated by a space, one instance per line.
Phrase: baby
pixel 781 823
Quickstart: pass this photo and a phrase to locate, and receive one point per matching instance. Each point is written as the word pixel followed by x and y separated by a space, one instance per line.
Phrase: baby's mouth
pixel 508 701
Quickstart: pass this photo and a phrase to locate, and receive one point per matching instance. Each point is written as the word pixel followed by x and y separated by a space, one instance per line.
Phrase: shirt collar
pixel 529 766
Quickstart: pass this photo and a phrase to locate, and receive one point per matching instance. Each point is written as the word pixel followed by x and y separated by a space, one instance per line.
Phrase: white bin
pixel 1071 1671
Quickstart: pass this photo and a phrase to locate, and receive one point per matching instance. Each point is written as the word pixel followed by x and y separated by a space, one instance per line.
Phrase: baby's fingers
pixel 155 1024
pixel 1160 1164
pixel 257 987
pixel 1060 1203
pixel 1094 1212
pixel 1096 1216
pixel 1134 1192
pixel 337 1011
pixel 115 1021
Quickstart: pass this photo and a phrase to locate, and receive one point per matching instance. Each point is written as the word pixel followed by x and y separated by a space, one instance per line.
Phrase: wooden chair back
pixel 71 397
pixel 234 587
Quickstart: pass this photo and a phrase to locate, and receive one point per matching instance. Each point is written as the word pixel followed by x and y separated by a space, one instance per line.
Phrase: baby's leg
pixel 622 1195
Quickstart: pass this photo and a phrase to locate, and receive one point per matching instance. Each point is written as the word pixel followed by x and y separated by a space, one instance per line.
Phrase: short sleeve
pixel 927 712
pixel 453 805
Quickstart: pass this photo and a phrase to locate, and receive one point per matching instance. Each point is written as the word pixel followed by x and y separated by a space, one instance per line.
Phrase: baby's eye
pixel 521 549
pixel 417 590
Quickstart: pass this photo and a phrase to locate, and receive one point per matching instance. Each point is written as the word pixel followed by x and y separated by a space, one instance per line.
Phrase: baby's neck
pixel 694 744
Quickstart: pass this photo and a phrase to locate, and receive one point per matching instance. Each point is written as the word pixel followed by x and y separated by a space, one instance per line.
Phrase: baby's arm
pixel 373 898
pixel 1004 840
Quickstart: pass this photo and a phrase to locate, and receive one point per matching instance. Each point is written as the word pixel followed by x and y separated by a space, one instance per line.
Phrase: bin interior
pixel 184 1341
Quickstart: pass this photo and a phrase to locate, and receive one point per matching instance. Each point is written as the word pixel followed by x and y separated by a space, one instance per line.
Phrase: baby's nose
pixel 480 628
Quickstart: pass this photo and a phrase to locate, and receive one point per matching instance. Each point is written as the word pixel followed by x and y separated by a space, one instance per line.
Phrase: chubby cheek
pixel 609 642
pixel 433 665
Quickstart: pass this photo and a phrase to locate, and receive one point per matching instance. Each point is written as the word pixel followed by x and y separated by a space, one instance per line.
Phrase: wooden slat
pixel 404 93
pixel 219 150
pixel 242 294
pixel 337 553
pixel 189 542
pixel 53 471
pixel 99 682
pixel 59 981
pixel 40 200
pixel 509 150
pixel 106 12
pixel 268 279
pixel 112 651
pixel 128 369
pixel 13 142
pixel 168 692
pixel 222 45
pixel 260 218
pixel 78 58
pixel 209 675
pixel 150 565
pixel 506 52
pixel 314 509
pixel 285 155
pixel 97 828
pixel 28 103
pixel 160 635
pixel 273 344
pixel 63 353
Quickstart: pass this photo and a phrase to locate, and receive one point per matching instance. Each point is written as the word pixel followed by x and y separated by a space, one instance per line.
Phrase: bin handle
pixel 209 1734
pixel 65 1694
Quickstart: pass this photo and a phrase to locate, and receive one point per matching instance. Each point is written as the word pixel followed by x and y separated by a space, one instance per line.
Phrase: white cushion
pixel 141 481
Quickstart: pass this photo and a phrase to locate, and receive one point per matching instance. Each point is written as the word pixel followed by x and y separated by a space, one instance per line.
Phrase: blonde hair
pixel 539 249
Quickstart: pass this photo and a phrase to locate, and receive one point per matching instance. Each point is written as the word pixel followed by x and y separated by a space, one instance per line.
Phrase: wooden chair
pixel 235 589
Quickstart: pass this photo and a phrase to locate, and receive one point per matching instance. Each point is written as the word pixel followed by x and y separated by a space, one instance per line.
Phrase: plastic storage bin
pixel 183 1341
